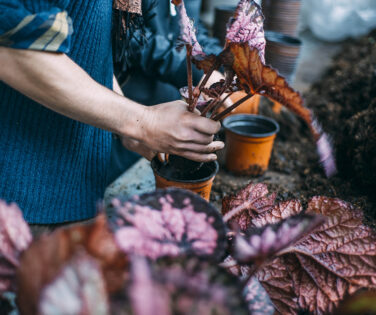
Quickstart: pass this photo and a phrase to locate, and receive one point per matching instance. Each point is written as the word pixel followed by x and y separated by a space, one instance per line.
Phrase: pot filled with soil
pixel 186 174
pixel 249 143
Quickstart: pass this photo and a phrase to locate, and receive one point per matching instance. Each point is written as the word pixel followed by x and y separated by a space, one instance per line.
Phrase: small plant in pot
pixel 243 61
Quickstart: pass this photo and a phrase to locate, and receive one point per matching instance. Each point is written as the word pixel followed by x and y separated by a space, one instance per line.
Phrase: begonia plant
pixel 171 252
pixel 243 61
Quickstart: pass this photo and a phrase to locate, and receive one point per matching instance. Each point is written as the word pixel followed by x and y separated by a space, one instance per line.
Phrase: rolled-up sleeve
pixel 48 30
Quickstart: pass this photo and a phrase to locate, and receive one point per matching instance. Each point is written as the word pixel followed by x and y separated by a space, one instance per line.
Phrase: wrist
pixel 135 122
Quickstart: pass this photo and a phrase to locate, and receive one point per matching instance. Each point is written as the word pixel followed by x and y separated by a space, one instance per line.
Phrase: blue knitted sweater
pixel 54 167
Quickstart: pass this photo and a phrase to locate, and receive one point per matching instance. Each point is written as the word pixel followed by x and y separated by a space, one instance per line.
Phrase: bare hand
pixel 137 146
pixel 172 129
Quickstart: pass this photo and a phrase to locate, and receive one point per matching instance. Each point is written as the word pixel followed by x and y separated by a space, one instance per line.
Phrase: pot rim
pixel 280 38
pixel 250 117
pixel 189 181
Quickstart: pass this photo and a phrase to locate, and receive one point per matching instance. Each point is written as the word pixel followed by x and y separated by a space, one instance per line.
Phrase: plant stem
pixel 218 105
pixel 233 106
pixel 198 89
pixel 209 107
pixel 189 78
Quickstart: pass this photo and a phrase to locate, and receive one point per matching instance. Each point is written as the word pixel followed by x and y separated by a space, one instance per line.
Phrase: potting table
pixel 135 181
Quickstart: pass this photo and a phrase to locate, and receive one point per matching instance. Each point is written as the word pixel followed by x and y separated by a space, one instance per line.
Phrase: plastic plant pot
pixel 249 143
pixel 200 182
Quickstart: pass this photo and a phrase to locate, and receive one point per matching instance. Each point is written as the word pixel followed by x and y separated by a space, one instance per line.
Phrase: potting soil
pixel 344 103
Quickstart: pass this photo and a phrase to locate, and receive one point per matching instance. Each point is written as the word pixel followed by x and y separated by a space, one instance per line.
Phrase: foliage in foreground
pixel 171 252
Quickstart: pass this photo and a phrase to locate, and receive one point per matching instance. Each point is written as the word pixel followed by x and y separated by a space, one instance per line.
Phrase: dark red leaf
pixel 317 272
pixel 206 62
pixel 242 207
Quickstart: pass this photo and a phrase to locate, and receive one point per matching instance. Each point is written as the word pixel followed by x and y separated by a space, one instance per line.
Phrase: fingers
pixel 200 148
pixel 199 157
pixel 205 125
pixel 137 146
pixel 193 136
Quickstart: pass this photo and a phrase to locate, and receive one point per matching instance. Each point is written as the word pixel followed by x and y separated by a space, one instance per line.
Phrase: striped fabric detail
pixel 47 31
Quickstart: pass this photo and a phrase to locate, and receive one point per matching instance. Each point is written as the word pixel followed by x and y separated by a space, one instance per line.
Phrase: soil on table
pixel 344 101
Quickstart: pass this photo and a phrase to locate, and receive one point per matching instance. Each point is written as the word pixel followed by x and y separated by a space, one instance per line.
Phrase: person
pixel 156 70
pixel 59 103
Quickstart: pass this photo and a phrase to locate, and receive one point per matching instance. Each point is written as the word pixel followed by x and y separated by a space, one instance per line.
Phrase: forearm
pixel 58 83
pixel 116 87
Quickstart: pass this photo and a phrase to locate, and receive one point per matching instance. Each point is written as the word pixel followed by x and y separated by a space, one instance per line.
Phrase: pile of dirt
pixel 343 102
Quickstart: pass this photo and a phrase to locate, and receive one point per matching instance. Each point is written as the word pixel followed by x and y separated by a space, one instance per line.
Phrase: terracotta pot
pixel 202 186
pixel 249 143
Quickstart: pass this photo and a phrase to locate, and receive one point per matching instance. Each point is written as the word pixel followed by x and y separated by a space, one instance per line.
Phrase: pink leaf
pixel 78 289
pixel 169 223
pixel 258 245
pixel 183 286
pixel 258 300
pixel 15 237
pixel 247 26
pixel 187 30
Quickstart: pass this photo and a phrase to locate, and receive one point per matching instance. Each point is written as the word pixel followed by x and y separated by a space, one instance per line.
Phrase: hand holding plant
pixel 181 132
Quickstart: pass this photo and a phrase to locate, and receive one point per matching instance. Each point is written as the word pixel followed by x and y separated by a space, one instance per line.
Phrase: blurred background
pixel 302 35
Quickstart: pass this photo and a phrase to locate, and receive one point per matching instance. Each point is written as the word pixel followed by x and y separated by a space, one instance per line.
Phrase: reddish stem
pixel 218 105
pixel 198 89
pixel 209 107
pixel 233 106
pixel 189 77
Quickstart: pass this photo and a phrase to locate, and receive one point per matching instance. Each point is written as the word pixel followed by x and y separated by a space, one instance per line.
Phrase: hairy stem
pixel 233 106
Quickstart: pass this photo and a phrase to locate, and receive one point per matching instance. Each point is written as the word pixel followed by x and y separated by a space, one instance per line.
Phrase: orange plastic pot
pixel 202 186
pixel 249 143
pixel 250 106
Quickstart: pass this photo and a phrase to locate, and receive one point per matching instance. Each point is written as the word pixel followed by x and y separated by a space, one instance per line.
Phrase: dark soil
pixel 344 103
pixel 181 169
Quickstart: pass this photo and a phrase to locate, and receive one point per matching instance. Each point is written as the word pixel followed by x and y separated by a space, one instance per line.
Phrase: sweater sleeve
pixel 48 30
